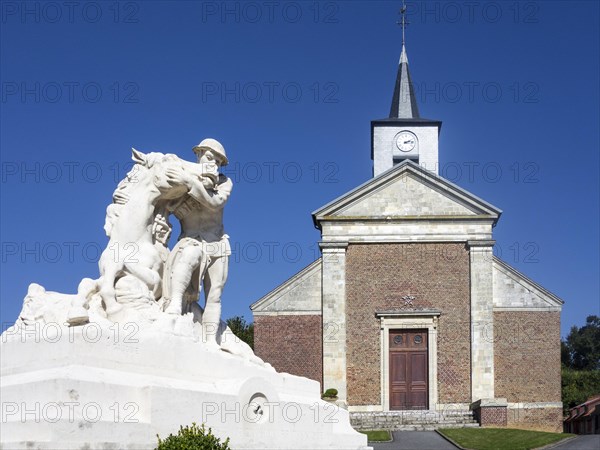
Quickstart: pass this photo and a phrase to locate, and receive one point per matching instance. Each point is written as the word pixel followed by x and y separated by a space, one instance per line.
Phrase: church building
pixel 407 308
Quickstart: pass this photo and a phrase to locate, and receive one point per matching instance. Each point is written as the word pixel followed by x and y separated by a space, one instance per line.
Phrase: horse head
pixel 157 163
pixel 135 222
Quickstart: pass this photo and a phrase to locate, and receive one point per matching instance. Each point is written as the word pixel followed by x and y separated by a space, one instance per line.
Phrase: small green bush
pixel 193 438
pixel 330 393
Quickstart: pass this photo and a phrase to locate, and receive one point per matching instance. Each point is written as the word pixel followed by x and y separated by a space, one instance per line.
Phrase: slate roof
pixel 404 101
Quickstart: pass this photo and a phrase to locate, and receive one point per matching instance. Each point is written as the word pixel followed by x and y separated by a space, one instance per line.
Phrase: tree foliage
pixel 581 350
pixel 578 386
pixel 580 356
pixel 193 438
pixel 243 330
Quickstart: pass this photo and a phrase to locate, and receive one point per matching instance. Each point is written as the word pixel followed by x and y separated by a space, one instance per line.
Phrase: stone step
pixel 417 419
pixel 410 413
pixel 413 414
pixel 412 420
pixel 405 420
pixel 432 427
pixel 375 426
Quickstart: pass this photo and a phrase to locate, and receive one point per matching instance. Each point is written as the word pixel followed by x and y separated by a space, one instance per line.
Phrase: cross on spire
pixel 404 102
pixel 403 22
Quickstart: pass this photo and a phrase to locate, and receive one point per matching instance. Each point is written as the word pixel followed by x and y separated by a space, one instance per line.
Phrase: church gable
pixel 513 290
pixel 407 191
pixel 301 294
pixel 406 195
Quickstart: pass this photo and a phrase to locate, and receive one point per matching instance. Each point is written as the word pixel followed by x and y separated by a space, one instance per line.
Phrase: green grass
pixel 501 438
pixel 377 435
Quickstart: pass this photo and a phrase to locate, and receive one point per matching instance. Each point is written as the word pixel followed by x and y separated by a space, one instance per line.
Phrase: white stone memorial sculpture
pixel 132 354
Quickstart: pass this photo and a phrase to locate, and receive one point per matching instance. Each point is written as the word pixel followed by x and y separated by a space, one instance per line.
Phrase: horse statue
pixel 136 268
pixel 137 201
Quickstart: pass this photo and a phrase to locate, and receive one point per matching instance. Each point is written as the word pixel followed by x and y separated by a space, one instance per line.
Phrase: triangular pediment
pixel 407 191
pixel 514 291
pixel 300 294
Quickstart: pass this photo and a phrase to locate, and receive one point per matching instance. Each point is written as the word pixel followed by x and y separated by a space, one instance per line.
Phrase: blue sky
pixel 290 89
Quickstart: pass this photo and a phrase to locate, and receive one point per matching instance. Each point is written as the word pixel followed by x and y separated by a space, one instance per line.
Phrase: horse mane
pixel 121 195
pixel 125 185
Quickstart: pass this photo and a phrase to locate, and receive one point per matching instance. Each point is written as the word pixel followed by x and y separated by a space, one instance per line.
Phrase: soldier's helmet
pixel 213 145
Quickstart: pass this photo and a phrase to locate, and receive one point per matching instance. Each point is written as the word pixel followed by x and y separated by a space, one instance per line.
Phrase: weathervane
pixel 403 23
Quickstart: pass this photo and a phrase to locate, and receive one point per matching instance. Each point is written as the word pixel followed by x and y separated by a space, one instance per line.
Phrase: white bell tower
pixel 404 134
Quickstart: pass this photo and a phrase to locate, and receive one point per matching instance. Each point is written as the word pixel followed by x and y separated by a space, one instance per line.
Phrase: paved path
pixel 415 440
pixel 584 442
pixel 430 440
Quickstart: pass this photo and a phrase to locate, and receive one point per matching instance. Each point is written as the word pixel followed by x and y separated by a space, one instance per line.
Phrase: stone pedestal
pixel 118 387
pixel 490 412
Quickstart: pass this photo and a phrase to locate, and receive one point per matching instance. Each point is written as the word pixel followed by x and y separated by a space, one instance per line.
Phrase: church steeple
pixel 404 135
pixel 404 101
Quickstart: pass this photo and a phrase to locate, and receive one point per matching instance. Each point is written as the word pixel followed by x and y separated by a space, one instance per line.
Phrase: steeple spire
pixel 403 23
pixel 404 101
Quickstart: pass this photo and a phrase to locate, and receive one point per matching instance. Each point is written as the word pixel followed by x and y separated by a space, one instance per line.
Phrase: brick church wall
pixel 539 419
pixel 527 366
pixel 377 276
pixel 491 416
pixel 291 343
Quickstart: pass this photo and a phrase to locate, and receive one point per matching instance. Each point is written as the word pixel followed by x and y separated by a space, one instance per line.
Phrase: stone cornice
pixel 470 218
pixel 333 245
pixel 407 312
pixel 481 243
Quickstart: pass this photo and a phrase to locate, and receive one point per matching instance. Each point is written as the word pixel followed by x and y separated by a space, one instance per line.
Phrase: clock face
pixel 406 141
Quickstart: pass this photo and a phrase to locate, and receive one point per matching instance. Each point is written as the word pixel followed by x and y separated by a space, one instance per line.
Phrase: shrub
pixel 244 331
pixel 193 438
pixel 330 393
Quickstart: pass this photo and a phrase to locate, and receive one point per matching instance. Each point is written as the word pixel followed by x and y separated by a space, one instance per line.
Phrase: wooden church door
pixel 408 369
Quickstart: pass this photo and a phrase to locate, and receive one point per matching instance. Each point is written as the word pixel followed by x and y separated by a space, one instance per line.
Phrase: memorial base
pixel 91 388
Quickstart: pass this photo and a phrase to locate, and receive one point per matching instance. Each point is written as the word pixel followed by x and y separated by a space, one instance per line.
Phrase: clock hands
pixel 406 141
